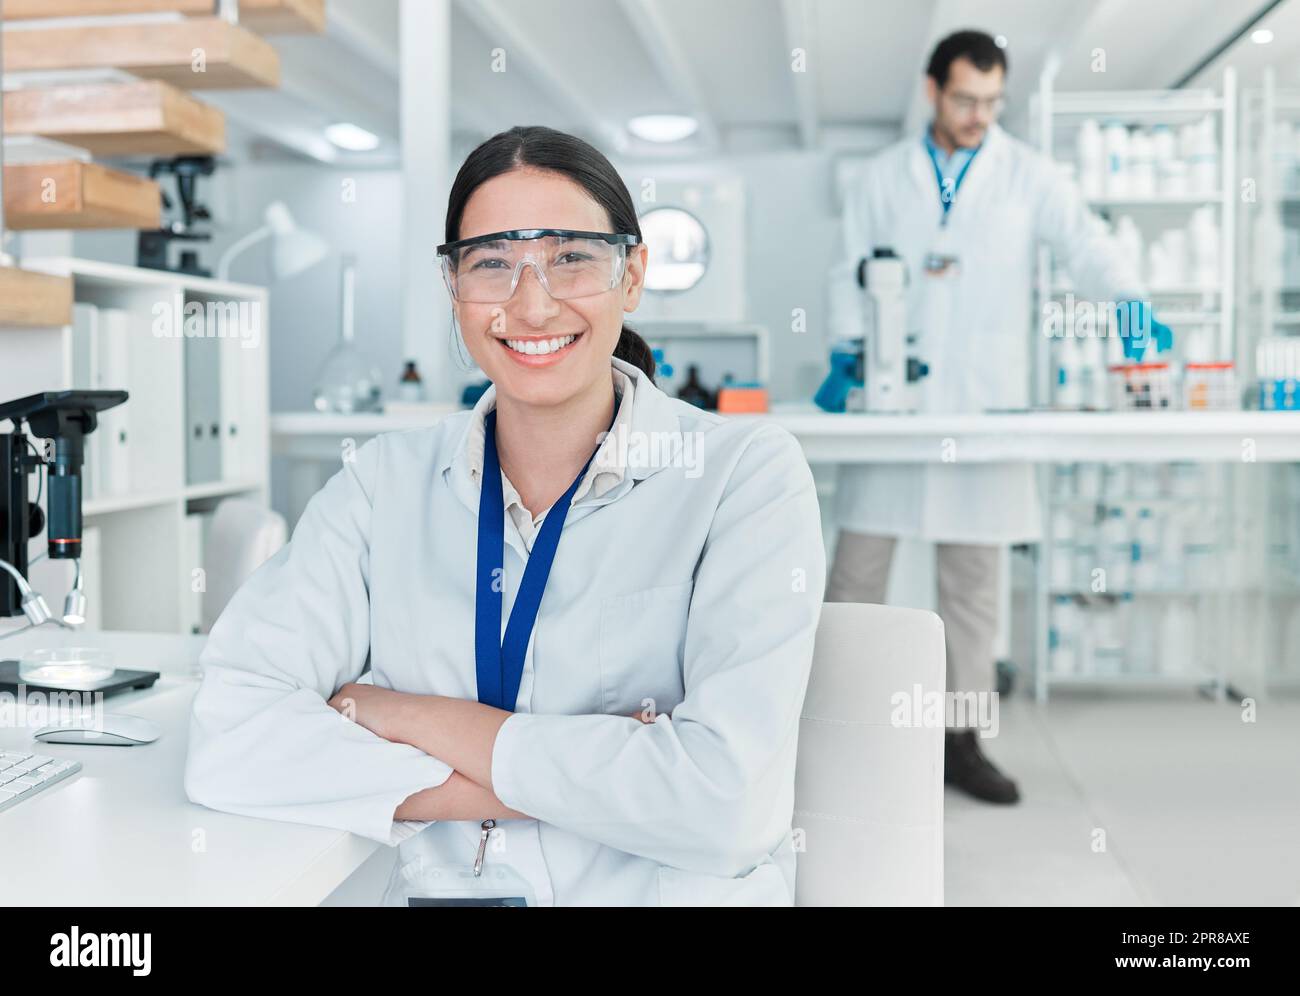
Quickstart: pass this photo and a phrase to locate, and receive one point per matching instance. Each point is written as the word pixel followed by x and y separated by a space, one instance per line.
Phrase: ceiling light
pixel 351 137
pixel 1261 36
pixel 663 127
pixel 1000 41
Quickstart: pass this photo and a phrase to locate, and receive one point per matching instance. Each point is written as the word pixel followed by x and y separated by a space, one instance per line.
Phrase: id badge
pixel 422 884
pixel 941 265
pixel 942 259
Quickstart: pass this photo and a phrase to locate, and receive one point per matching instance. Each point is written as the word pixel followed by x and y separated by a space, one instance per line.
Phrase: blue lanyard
pixel 944 197
pixel 500 665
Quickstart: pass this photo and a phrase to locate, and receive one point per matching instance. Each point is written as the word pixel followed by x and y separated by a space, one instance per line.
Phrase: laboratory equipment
pixel 875 373
pixel 736 398
pixel 348 382
pixel 65 418
pixel 1277 370
pixel 889 370
pixel 695 393
pixel 1141 386
pixel 410 388
pixel 65 667
pixel 22 775
pixel 1210 386
pixel 151 246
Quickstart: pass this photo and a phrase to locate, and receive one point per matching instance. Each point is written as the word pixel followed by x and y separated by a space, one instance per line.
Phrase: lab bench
pixel 122 832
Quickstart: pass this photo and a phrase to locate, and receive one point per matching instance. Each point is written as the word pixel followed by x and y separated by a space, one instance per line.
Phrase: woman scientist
pixel 587 608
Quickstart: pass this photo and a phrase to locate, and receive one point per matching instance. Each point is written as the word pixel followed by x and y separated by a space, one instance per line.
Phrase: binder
pixel 115 423
pixel 84 376
pixel 202 410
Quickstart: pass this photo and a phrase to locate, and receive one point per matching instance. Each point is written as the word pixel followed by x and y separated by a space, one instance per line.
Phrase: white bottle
pixel 1146 551
pixel 1204 158
pixel 1088 480
pixel 1116 142
pixel 1129 240
pixel 1107 638
pixel 1164 154
pixel 1093 372
pixel 1062 636
pixel 1091 155
pixel 1203 247
pixel 1118 546
pixel 1068 381
pixel 1116 481
pixel 1142 165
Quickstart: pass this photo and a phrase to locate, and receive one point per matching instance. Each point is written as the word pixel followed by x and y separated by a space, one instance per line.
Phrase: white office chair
pixel 242 537
pixel 868 793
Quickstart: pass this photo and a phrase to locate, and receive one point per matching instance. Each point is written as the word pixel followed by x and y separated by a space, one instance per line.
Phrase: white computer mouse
pixel 111 729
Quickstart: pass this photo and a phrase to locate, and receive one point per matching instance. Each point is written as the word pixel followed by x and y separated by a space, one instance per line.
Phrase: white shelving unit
pixel 145 559
pixel 1188 305
pixel 1270 306
pixel 1271 298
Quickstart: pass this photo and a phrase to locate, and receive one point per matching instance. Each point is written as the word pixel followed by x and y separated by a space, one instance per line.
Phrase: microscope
pixel 875 373
pixel 151 246
pixel 65 418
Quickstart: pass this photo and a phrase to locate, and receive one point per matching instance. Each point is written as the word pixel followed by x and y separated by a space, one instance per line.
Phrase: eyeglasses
pixel 568 264
pixel 965 104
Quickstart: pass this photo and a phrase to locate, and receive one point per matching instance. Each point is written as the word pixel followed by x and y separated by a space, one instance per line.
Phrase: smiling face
pixel 507 339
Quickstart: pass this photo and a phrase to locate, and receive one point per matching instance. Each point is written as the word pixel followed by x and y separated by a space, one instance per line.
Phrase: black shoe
pixel 966 767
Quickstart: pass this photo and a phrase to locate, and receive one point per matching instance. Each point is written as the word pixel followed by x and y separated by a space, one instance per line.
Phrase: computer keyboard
pixel 22 775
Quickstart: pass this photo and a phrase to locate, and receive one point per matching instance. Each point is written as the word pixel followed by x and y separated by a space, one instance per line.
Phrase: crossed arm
pixel 458 732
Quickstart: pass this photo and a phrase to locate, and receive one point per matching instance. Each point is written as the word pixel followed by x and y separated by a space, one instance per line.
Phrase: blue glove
pixel 845 375
pixel 1138 328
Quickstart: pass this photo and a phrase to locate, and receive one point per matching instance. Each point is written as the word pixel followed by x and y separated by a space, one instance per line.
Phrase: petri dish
pixel 71 667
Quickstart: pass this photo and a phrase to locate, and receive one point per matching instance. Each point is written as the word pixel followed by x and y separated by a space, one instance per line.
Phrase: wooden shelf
pixel 34 299
pixel 263 16
pixel 232 56
pixel 118 119
pixel 77 194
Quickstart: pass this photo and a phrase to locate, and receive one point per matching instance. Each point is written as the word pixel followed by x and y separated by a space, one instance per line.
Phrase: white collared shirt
pixel 688 592
pixel 605 473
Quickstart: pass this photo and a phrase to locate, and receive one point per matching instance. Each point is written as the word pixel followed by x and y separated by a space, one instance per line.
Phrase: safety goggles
pixel 568 264
pixel 966 104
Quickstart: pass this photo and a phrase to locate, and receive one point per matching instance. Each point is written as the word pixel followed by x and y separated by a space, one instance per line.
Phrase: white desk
pixel 120 832
pixel 1022 437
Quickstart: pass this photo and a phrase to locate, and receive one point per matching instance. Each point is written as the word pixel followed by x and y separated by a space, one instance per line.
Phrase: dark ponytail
pixel 554 151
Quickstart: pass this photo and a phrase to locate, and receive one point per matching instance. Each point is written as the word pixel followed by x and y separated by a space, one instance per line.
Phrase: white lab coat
pixel 698 592
pixel 974 329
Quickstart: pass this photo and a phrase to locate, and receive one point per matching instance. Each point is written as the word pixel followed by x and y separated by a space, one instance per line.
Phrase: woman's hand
pixel 458 732
pixel 369 706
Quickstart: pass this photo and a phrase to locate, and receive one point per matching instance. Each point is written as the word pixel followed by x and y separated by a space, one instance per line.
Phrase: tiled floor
pixel 1197 807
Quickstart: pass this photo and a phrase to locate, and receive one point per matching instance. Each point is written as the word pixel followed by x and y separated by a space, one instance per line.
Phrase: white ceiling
pixel 586 66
